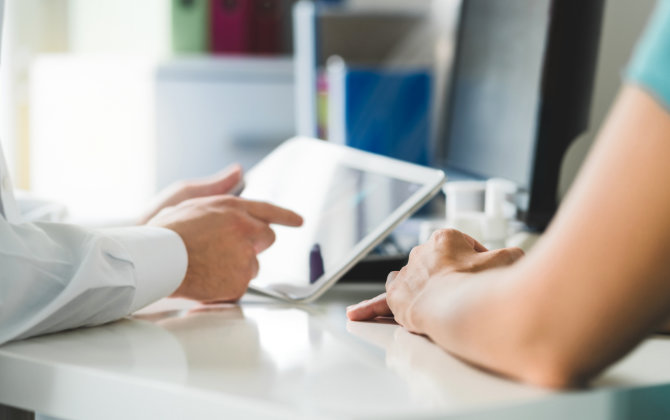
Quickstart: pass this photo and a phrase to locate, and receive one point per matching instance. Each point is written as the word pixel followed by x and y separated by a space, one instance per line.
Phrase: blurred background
pixel 102 102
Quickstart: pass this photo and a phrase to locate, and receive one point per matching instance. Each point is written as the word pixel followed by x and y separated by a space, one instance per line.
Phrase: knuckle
pixel 503 253
pixel 192 201
pixel 229 212
pixel 444 236
pixel 227 200
pixel 517 252
pixel 451 233
pixel 469 266
pixel 236 217
pixel 391 276
pixel 414 252
pixel 183 185
pixel 393 286
pixel 508 255
pixel 435 236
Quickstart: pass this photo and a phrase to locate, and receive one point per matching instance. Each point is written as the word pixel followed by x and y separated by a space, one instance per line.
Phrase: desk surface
pixel 269 359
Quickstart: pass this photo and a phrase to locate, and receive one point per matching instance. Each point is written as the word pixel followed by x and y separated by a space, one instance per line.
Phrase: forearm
pixel 506 321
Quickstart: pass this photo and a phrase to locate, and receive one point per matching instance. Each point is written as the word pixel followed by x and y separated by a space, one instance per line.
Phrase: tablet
pixel 350 201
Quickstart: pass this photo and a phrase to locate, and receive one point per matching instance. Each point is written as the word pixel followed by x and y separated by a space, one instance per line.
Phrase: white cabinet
pixel 211 112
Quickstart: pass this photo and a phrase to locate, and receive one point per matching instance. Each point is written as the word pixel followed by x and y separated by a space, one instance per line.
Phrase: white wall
pixel 120 26
pixel 91 125
pixel 623 23
pixel 30 27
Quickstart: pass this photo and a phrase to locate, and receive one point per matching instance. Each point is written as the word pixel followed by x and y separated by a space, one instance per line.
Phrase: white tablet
pixel 350 201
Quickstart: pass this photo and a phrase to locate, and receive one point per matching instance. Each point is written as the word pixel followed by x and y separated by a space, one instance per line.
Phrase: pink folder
pixel 230 26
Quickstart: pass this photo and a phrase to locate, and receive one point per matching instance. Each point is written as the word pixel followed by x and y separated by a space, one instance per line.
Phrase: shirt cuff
pixel 159 258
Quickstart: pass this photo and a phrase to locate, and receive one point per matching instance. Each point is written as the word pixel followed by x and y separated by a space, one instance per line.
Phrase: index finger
pixel 369 309
pixel 270 213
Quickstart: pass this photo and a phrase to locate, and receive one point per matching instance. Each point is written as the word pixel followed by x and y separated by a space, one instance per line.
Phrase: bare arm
pixel 593 288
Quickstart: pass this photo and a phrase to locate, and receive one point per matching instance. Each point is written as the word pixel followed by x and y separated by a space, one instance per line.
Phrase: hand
pixel 448 254
pixel 218 184
pixel 223 235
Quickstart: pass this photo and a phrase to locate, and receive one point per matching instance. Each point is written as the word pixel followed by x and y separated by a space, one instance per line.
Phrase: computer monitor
pixel 521 88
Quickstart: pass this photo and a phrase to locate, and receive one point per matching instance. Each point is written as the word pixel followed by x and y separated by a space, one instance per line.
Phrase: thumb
pixel 220 183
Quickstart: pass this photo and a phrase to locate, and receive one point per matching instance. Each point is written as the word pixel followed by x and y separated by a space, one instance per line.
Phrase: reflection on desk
pixel 269 359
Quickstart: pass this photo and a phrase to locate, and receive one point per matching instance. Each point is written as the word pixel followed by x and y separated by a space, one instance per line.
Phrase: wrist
pixel 428 308
pixel 159 260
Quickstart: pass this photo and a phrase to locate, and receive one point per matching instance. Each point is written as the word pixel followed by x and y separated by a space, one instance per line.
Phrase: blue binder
pixel 389 112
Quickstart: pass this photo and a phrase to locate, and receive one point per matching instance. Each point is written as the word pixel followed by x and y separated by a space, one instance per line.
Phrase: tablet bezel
pixel 430 179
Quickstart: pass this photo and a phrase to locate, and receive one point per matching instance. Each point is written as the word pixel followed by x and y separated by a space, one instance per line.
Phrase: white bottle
pixel 465 206
pixel 495 223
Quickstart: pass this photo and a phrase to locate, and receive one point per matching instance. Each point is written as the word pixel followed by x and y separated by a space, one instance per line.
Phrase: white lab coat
pixel 56 276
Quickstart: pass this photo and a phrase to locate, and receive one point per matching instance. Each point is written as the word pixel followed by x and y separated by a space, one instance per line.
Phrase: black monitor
pixel 520 93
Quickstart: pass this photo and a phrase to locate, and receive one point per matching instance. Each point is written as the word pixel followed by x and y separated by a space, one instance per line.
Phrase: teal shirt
pixel 650 65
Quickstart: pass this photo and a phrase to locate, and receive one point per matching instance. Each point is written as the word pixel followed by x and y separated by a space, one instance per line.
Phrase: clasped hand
pixel 449 257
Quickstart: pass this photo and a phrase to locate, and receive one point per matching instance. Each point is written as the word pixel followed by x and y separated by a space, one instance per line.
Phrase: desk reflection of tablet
pixel 350 201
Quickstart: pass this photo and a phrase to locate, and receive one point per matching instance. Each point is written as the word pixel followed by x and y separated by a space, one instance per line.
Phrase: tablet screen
pixel 340 204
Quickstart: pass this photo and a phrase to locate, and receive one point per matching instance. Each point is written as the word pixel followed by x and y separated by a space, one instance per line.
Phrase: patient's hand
pixel 219 184
pixel 447 255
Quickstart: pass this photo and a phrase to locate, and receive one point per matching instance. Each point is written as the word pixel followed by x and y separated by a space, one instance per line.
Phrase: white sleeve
pixel 55 277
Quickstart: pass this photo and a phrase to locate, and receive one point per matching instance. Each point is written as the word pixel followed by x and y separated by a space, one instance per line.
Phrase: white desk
pixel 267 359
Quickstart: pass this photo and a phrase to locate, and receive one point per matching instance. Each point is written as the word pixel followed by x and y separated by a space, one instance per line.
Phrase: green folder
pixel 190 26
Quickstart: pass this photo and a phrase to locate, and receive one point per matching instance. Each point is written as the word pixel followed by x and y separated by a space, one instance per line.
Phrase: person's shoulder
pixel 650 65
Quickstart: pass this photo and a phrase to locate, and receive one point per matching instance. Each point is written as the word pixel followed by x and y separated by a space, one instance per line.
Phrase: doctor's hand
pixel 447 256
pixel 223 234
pixel 218 184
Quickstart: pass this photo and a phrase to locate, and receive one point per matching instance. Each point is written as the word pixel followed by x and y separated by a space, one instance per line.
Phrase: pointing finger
pixel 369 309
pixel 270 213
